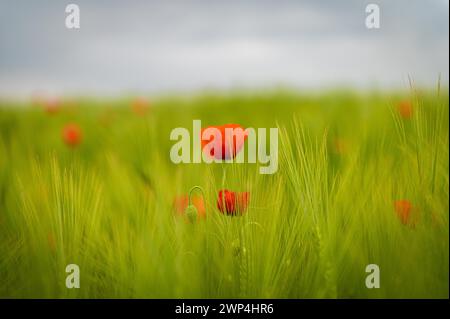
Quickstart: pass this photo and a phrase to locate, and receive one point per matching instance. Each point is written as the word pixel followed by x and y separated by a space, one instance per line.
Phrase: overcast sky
pixel 159 46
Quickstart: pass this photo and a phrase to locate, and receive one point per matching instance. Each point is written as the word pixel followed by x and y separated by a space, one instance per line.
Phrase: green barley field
pixel 363 178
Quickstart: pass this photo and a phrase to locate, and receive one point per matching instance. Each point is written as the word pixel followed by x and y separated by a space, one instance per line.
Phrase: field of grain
pixel 363 178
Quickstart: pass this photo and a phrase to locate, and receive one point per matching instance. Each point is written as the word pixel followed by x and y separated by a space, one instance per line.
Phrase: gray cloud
pixel 153 46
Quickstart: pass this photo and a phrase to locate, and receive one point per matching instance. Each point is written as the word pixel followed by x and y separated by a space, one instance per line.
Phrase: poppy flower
pixel 339 146
pixel 232 203
pixel 405 109
pixel 404 210
pixel 181 203
pixel 140 106
pixel 52 106
pixel 233 134
pixel 71 135
pixel 51 242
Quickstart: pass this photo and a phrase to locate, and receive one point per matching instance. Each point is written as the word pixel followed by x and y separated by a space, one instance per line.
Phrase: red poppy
pixel 233 134
pixel 140 106
pixel 52 106
pixel 404 209
pixel 339 146
pixel 51 242
pixel 72 135
pixel 182 202
pixel 232 203
pixel 405 109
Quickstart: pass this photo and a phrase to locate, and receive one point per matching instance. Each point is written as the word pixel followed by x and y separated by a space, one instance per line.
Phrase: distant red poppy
pixel 181 203
pixel 232 203
pixel 51 106
pixel 51 242
pixel 339 146
pixel 233 134
pixel 405 109
pixel 140 106
pixel 404 209
pixel 71 135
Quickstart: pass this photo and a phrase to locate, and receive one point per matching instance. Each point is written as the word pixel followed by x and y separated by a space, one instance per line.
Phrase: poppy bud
pixel 191 213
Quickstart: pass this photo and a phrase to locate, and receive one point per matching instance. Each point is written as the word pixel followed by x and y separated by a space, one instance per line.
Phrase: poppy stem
pixel 194 188
pixel 224 175
pixel 224 170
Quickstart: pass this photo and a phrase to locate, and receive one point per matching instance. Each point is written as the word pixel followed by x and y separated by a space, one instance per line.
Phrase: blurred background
pixel 142 47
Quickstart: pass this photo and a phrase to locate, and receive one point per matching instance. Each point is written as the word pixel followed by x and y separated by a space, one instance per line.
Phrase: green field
pixel 310 230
